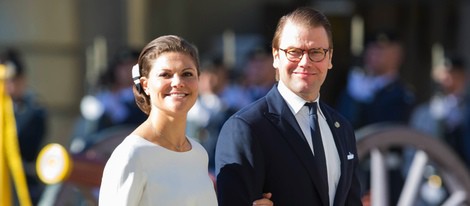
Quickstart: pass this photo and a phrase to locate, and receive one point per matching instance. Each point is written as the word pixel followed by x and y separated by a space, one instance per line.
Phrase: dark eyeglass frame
pixel 292 58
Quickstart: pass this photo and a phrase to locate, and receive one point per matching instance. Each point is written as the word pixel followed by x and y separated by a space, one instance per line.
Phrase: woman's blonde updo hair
pixel 160 45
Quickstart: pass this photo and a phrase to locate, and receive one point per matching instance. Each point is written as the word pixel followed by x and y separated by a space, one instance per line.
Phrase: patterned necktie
pixel 319 152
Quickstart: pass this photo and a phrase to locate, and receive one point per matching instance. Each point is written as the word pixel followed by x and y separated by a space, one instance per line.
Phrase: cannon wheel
pixel 377 143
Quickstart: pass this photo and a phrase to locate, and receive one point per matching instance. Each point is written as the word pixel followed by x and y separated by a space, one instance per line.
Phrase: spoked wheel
pixel 430 173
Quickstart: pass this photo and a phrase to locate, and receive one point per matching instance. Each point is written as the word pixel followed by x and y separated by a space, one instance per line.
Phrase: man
pixel 260 75
pixel 443 115
pixel 375 93
pixel 271 147
pixel 31 119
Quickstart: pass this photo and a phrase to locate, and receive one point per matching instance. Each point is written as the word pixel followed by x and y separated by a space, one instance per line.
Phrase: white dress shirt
pixel 297 106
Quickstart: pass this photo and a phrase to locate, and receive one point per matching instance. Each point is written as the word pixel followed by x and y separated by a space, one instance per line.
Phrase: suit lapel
pixel 340 143
pixel 281 116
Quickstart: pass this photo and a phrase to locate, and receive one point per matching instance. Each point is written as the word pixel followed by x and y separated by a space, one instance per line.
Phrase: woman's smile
pixel 177 94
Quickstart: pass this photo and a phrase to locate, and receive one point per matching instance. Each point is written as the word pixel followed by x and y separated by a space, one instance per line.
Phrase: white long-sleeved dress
pixel 142 173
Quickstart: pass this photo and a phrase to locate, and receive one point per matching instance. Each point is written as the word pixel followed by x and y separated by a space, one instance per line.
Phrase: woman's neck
pixel 167 131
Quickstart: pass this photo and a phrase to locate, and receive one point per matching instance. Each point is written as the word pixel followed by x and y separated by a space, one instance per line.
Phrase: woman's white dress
pixel 142 173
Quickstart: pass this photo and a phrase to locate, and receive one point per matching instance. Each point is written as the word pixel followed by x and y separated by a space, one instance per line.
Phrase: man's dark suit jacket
pixel 262 149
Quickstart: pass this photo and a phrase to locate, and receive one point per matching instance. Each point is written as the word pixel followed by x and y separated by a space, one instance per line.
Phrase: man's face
pixel 383 57
pixel 303 77
pixel 16 87
pixel 259 70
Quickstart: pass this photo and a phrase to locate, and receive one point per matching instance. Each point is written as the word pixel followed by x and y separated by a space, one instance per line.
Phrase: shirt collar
pixel 294 102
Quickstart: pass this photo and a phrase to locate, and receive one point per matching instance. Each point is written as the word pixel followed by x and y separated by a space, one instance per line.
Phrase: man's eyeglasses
pixel 296 54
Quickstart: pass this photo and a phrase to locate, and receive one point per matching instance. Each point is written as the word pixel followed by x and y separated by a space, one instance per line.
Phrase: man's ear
pixel 275 58
pixel 330 63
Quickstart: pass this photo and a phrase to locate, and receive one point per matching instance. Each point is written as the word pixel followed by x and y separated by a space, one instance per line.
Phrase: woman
pixel 157 164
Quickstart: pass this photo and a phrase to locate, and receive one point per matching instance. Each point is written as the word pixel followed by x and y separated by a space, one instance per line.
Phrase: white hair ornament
pixel 136 77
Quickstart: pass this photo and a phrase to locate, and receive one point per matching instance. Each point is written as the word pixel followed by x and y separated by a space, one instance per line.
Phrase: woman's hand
pixel 265 201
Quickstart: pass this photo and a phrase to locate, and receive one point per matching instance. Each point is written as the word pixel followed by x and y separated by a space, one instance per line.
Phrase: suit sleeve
pixel 239 166
pixel 355 191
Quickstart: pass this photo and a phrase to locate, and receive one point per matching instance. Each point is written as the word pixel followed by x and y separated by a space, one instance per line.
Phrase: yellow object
pixel 10 158
pixel 53 164
pixel 435 181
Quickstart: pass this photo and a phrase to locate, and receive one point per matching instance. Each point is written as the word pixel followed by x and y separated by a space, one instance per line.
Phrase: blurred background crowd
pixel 402 62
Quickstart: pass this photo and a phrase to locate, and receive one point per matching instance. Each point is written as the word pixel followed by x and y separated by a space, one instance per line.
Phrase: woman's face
pixel 172 83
